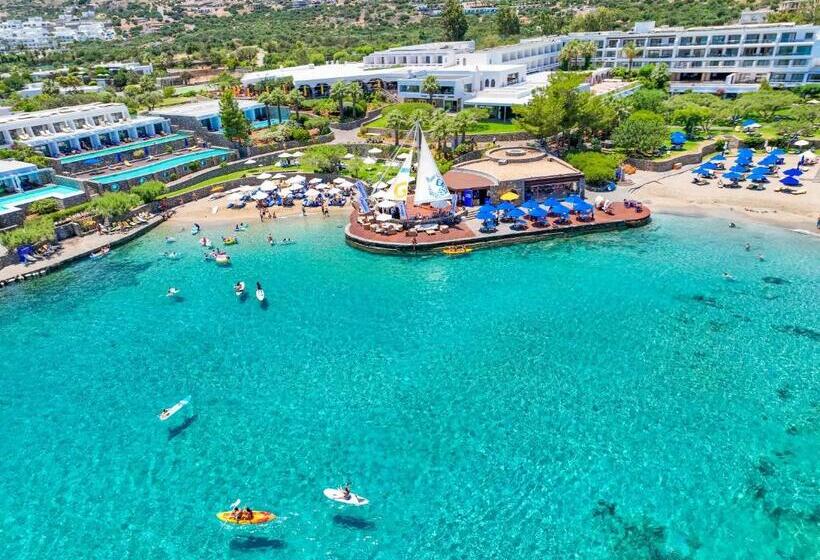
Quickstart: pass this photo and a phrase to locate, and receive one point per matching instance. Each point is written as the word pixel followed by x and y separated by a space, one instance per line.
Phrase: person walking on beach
pixel 304 212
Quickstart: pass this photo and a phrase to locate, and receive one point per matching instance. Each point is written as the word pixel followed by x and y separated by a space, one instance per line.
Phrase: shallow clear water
pixel 602 397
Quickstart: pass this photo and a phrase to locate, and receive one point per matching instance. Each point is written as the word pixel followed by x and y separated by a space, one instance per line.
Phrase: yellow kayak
pixel 456 250
pixel 258 518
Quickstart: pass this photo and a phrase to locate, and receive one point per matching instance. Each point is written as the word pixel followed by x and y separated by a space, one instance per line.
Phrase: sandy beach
pixel 674 193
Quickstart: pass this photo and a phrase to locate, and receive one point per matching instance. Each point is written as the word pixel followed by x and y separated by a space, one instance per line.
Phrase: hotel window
pixel 769 37
pixel 666 53
pixel 814 77
pixel 612 43
pixel 788 37
pixel 808 36
pixel 468 88
pixel 804 50
pixel 702 40
pixel 752 38
pixel 697 63
pixel 728 63
pixel 718 39
pixel 781 62
pixel 685 41
pixel 730 52
pixel 795 77
pixel 733 39
pixel 800 62
pixel 640 42
pixel 654 42
pixel 777 77
pixel 785 50
pixel 747 63
pixel 763 63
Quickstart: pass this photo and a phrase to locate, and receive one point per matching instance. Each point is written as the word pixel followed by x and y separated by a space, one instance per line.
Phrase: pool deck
pixel 467 232
pixel 74 249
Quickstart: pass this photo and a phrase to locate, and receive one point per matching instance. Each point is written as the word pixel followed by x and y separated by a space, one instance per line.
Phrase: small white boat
pixel 239 289
pixel 194 230
pixel 170 240
pixel 260 295
pixel 172 292
pixel 338 495
pixel 168 412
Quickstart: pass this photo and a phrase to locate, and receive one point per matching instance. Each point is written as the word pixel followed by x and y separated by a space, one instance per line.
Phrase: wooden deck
pixel 467 232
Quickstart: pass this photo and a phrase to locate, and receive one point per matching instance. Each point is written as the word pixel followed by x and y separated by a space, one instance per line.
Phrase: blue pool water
pixel 58 191
pixel 164 165
pixel 604 397
pixel 123 148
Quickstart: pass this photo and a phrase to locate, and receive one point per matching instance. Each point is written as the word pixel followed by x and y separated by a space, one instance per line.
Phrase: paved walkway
pixel 346 137
pixel 74 249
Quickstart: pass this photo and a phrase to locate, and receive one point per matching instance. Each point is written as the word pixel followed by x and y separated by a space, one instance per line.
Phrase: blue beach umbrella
pixel 485 215
pixel 738 169
pixel 530 204
pixel 749 122
pixel 758 178
pixel 770 159
pixel 506 206
pixel 760 171
pixel 559 209
pixel 574 199
pixel 790 181
pixel 794 172
pixel 582 207
pixel 719 157
pixel 732 176
pixel 538 213
pixel 777 152
pixel 516 213
pixel 708 165
pixel 678 137
pixel 701 172
pixel 487 208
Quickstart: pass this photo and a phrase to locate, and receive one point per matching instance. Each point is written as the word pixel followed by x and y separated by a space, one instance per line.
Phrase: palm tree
pixel 466 119
pixel 587 50
pixel 355 91
pixel 396 121
pixel 278 97
pixel 441 127
pixel 569 54
pixel 295 99
pixel 430 86
pixel 630 51
pixel 338 92
pixel 266 100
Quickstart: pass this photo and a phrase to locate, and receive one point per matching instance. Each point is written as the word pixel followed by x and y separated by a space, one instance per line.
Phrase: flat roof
pixel 311 73
pixel 459 179
pixel 200 109
pixel 58 112
pixel 13 167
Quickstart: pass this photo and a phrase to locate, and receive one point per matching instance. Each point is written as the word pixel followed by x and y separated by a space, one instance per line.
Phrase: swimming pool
pixel 164 165
pixel 57 191
pixel 123 148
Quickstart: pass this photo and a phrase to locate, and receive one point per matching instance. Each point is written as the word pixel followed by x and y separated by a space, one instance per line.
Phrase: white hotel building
pixel 59 132
pixel 730 59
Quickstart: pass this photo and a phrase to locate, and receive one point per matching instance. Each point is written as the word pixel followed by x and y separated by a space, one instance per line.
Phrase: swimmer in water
pixel 727 276
pixel 748 247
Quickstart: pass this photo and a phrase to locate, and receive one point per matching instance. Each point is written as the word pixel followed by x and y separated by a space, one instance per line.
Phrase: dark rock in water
pixel 765 467
pixel 791 429
pixel 760 492
pixel 797 330
pixel 604 508
pixel 705 300
pixel 717 326
pixel 776 280
pixel 784 392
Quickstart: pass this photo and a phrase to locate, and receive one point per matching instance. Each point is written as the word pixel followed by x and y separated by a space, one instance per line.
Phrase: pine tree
pixel 453 21
pixel 234 124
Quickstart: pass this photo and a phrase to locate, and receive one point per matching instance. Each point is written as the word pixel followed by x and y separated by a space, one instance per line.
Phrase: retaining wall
pixel 350 125
pixel 669 164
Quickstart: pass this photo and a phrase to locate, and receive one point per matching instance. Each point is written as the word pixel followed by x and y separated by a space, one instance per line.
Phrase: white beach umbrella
pixel 312 193
pixel 378 195
pixel 402 156
pixel 339 180
pixel 386 204
pixel 334 191
pixel 374 151
pixel 251 161
pixel 259 195
pixel 297 179
pixel 235 197
pixel 348 156
pixel 369 161
pixel 298 154
pixel 321 186
pixel 264 176
pixel 345 184
pixel 286 193
pixel 279 176
pixel 801 143
pixel 247 188
pixel 285 155
pixel 383 217
pixel 380 185
pixel 268 186
pixel 315 181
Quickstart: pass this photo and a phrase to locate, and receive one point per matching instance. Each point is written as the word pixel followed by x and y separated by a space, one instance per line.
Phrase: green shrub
pixel 754 142
pixel 137 154
pixel 44 206
pixel 323 159
pixel 598 168
pixel 34 231
pixel 68 212
pixel 149 190
pixel 114 204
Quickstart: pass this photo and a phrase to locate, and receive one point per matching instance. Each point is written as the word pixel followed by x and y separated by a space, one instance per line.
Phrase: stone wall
pixel 12 218
pixel 350 125
pixel 669 164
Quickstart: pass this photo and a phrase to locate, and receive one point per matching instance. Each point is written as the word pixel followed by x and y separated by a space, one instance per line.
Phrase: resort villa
pixel 729 58
pixel 205 114
pixel 24 183
pixel 68 130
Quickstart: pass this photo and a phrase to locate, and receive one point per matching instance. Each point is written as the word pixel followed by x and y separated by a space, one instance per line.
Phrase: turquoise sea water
pixel 604 397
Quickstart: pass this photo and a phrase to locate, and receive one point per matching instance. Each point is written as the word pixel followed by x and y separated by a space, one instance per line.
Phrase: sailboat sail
pixel 397 191
pixel 430 186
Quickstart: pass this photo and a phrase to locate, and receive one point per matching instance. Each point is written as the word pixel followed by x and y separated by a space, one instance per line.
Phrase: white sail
pixel 399 185
pixel 430 186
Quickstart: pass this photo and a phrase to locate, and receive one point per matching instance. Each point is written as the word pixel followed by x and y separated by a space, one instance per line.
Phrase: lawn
pixel 483 127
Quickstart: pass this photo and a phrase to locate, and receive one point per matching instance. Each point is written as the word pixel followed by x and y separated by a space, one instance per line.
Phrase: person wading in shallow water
pixel 414 243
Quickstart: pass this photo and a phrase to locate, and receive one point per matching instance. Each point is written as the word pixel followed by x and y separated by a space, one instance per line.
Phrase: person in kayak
pixel 238 287
pixel 258 286
pixel 236 513
pixel 346 491
pixel 248 514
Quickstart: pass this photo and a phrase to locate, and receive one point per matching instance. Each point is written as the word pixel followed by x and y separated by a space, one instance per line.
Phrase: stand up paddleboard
pixel 174 409
pixel 338 495
pixel 260 295
pixel 239 289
